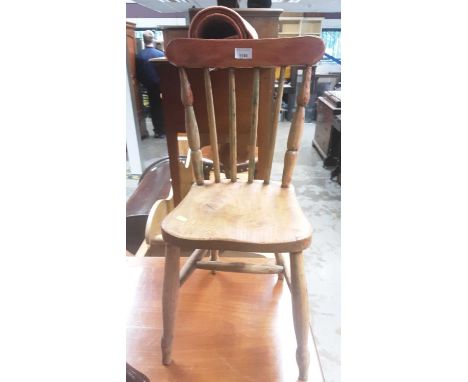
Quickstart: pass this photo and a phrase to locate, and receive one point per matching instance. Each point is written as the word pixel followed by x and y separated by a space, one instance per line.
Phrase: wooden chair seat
pixel 239 216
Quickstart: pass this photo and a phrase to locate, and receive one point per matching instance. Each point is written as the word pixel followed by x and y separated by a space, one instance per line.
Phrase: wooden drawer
pixel 323 125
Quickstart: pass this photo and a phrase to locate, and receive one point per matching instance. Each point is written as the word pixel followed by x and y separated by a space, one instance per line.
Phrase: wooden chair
pixel 254 216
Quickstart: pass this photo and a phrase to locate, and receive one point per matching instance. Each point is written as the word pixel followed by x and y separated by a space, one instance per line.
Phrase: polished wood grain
pixel 248 336
pixel 240 217
pixel 199 53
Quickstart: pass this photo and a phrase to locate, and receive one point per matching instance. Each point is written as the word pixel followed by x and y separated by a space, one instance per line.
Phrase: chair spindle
pixel 212 124
pixel 191 127
pixel 232 125
pixel 297 127
pixel 254 124
pixel 274 128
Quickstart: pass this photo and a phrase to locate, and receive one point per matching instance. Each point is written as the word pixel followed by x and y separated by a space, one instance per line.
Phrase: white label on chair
pixel 243 53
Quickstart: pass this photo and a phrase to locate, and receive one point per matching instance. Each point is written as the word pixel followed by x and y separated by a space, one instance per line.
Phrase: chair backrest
pixel 235 55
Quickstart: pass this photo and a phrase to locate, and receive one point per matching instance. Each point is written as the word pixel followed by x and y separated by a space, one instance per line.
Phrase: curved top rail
pixel 236 53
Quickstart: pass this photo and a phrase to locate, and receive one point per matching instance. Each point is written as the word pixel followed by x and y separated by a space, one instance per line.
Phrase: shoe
pixel 159 136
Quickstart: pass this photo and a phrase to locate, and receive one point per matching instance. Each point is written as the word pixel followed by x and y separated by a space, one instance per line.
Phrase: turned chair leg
pixel 169 296
pixel 279 261
pixel 300 308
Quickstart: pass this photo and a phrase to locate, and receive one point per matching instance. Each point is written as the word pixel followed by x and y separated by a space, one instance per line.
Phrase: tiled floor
pixel 320 199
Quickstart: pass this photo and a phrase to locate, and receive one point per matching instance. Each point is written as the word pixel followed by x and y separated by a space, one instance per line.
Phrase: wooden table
pixel 246 337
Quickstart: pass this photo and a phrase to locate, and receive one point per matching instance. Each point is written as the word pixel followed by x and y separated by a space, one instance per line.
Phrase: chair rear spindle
pixel 274 127
pixel 232 126
pixel 191 127
pixel 297 128
pixel 212 124
pixel 254 123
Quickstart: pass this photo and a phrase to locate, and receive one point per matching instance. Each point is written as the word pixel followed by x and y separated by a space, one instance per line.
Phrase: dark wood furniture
pixel 320 84
pixel 155 184
pixel 172 32
pixel 232 215
pixel 336 136
pixel 131 65
pixel 326 110
pixel 265 21
pixel 333 159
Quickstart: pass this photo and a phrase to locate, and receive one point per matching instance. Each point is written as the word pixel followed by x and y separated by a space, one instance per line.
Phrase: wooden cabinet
pixel 131 53
pixel 326 110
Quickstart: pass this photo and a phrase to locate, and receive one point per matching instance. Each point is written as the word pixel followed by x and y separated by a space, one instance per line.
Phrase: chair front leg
pixel 169 300
pixel 300 309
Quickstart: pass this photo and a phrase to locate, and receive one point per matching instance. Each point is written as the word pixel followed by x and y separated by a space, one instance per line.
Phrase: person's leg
pixel 153 110
pixel 154 96
pixel 159 114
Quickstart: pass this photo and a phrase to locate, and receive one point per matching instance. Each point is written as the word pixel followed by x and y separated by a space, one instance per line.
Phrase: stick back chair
pixel 228 214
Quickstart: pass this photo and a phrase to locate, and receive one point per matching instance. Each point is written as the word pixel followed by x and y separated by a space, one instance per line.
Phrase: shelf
pixel 300 26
